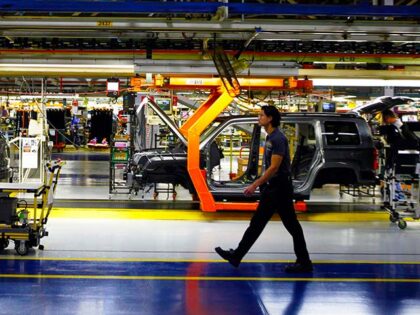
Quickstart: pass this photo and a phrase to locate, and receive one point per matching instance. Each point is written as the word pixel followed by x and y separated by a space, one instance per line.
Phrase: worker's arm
pixel 276 161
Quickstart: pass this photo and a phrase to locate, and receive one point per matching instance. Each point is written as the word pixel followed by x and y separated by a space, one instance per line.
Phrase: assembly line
pixel 210 157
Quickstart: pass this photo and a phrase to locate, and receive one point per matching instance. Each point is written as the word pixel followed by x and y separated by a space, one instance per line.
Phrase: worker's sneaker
pixel 228 255
pixel 298 267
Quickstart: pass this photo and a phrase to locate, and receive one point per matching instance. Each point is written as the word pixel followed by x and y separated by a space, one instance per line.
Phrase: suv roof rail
pixel 348 114
pixel 351 114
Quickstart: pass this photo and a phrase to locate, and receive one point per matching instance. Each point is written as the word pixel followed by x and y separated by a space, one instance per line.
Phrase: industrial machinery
pixel 196 139
pixel 222 92
pixel 321 146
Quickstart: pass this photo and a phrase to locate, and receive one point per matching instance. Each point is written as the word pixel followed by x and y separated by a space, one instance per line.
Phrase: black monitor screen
pixel 129 100
pixel 164 104
pixel 328 107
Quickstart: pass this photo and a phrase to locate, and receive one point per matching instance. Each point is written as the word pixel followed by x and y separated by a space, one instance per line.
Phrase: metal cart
pixel 120 154
pixel 165 188
pixel 401 187
pixel 23 226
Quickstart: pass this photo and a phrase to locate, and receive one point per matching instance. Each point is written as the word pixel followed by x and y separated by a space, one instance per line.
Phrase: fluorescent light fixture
pixel 339 62
pixel 340 40
pixel 38 96
pixel 366 82
pixel 282 39
pixel 34 65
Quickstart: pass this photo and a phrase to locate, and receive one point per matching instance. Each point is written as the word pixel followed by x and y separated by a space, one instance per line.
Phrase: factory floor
pixel 107 257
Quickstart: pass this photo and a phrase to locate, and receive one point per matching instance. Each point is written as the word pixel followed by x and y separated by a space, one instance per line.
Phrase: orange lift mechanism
pixel 220 97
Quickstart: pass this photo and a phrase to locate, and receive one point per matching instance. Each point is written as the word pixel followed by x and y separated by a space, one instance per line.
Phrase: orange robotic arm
pixel 218 100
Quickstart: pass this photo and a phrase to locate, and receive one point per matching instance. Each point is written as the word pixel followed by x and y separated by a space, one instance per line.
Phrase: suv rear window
pixel 341 133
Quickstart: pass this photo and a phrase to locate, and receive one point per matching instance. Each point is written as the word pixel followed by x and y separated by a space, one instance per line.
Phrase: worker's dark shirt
pixel 276 143
pixel 400 138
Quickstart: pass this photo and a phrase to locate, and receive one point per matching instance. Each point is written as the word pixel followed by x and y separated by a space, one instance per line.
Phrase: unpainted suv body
pixel 327 148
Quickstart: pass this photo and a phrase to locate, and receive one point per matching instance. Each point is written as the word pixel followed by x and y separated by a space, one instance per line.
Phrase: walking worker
pixel 276 196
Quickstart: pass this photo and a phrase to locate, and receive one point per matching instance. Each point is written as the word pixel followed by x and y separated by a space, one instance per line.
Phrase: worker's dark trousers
pixel 277 196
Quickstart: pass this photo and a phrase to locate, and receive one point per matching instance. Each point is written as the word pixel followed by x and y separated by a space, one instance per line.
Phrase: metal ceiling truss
pixel 24 47
pixel 224 8
pixel 228 29
pixel 176 36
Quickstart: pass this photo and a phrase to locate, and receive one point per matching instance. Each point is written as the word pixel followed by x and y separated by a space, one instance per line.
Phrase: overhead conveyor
pixel 221 95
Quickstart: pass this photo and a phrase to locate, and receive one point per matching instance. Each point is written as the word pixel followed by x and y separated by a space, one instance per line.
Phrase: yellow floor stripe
pixel 186 278
pixel 169 260
pixel 197 215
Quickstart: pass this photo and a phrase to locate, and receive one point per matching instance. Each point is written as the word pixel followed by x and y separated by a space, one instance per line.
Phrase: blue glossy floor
pixel 118 266
pixel 136 287
pixel 116 261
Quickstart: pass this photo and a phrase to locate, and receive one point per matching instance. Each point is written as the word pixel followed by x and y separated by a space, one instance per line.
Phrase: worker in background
pixel 399 132
pixel 398 136
pixel 276 196
pixel 3 111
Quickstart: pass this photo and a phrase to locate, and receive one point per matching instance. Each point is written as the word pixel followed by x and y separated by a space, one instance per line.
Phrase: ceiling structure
pixel 75 41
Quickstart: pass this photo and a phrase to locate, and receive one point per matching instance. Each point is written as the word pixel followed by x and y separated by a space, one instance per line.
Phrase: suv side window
pixel 341 133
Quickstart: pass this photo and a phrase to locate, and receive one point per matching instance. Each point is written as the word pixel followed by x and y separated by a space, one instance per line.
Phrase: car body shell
pixel 330 164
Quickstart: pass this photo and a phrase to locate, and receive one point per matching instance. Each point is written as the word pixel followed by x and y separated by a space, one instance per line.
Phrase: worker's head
pixel 269 115
pixel 389 117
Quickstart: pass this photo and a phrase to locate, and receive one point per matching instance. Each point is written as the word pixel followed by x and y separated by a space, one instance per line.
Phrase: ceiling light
pixel 339 62
pixel 365 82
pixel 96 66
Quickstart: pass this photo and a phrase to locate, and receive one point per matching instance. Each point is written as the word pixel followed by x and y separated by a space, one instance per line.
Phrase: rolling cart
pixel 401 190
pixel 23 226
